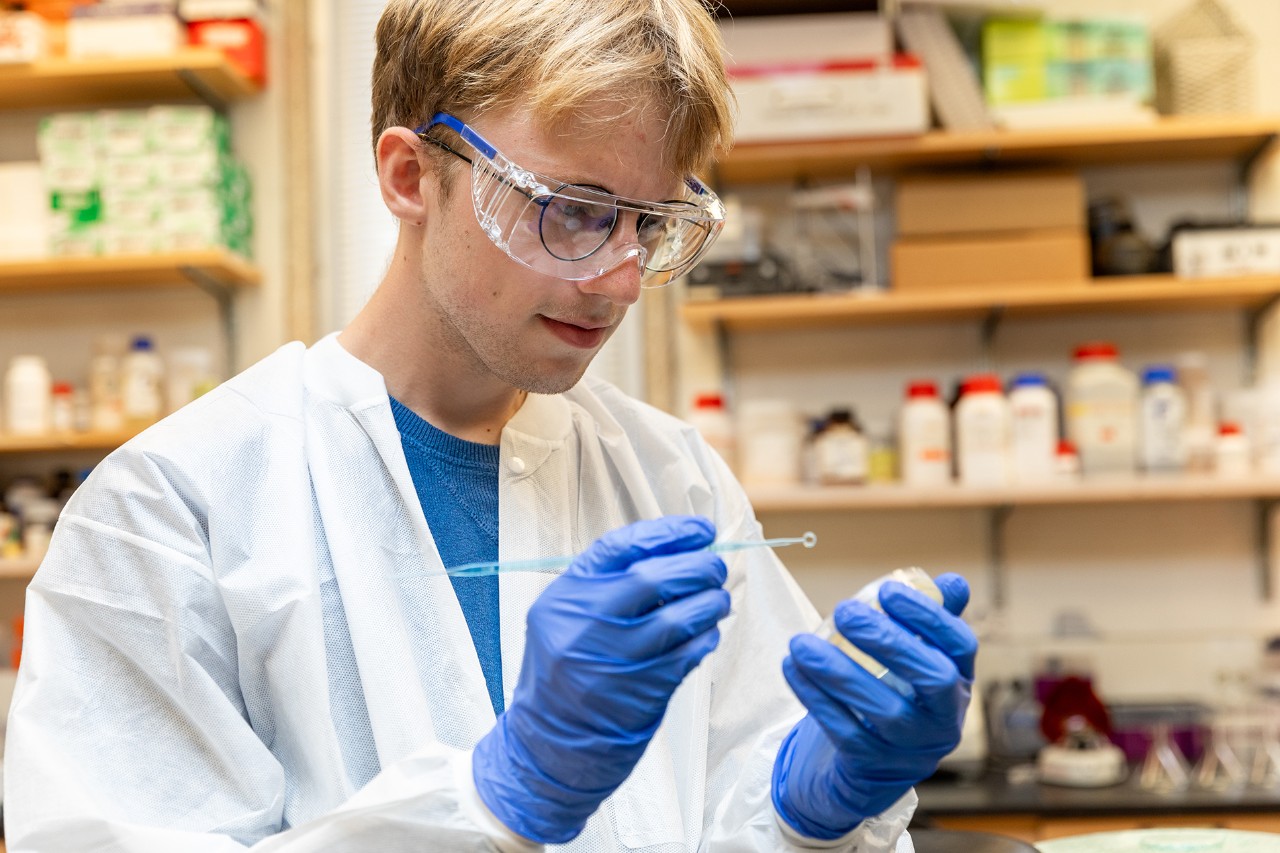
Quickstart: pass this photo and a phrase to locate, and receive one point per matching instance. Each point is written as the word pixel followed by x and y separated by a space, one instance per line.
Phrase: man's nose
pixel 621 283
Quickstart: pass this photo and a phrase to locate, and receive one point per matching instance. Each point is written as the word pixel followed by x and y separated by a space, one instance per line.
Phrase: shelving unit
pixel 1240 140
pixel 202 73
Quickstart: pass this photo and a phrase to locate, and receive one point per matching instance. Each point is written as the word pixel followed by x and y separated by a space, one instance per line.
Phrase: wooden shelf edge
pixel 1154 291
pixel 193 72
pixel 220 265
pixel 1169 137
pixel 94 440
pixel 1100 491
pixel 19 568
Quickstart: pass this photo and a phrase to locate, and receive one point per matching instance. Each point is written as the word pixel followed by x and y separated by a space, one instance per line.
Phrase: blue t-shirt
pixel 457 485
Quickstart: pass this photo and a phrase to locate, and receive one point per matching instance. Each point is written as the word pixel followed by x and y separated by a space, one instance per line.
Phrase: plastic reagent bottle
pixel 916 578
pixel 982 432
pixel 1162 426
pixel 710 418
pixel 27 396
pixel 1102 404
pixel 141 373
pixel 925 433
pixel 1033 420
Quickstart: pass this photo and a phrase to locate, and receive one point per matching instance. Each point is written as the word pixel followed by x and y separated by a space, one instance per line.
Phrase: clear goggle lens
pixel 575 232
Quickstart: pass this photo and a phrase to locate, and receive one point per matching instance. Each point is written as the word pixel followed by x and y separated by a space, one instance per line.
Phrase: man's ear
pixel 402 168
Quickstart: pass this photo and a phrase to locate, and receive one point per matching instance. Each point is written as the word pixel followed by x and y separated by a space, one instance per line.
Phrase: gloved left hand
pixel 864 744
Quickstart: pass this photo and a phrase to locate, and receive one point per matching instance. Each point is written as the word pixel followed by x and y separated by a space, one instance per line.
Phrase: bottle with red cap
pixel 711 419
pixel 924 430
pixel 982 432
pixel 1102 410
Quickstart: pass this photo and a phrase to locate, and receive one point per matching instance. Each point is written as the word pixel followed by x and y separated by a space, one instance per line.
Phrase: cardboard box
pixel 830 100
pixel 1014 259
pixel 812 38
pixel 934 205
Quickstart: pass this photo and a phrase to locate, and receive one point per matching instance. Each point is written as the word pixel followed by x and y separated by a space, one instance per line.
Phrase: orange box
pixel 1008 259
pixel 241 40
pixel 994 201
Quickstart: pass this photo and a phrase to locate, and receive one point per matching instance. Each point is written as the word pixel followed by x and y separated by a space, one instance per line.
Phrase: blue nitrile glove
pixel 607 643
pixel 862 744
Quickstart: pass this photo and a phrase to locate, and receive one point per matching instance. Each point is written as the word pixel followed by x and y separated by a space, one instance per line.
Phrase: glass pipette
pixel 554 564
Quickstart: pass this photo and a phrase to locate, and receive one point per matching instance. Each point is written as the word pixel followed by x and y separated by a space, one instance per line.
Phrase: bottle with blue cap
pixel 1033 409
pixel 141 375
pixel 1163 420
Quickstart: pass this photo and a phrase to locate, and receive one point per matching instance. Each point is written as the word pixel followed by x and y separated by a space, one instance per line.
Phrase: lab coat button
pixel 517 464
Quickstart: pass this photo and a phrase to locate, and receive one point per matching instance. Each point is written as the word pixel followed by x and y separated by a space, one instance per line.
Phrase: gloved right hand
pixel 607 643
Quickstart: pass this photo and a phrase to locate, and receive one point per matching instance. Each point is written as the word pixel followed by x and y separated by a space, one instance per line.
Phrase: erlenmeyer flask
pixel 1164 770
pixel 1265 772
pixel 1220 769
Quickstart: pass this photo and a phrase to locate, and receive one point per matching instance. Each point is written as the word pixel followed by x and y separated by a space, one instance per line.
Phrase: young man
pixel 244 633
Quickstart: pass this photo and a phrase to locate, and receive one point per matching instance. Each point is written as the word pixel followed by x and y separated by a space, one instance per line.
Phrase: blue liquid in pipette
pixel 553 565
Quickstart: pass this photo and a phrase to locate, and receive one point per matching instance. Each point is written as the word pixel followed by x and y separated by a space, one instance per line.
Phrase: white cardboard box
pixel 1208 253
pixel 830 100
pixel 24 216
pixel 127 35
pixel 806 38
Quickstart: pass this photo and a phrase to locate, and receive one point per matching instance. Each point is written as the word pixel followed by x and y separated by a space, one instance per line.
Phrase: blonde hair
pixel 557 57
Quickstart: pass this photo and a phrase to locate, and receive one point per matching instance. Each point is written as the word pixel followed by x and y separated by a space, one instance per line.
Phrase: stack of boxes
pixel 990 230
pixel 142 181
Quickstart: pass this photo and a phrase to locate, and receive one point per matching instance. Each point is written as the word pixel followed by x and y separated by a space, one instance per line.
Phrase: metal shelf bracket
pixel 1263 542
pixel 997 557
pixel 225 299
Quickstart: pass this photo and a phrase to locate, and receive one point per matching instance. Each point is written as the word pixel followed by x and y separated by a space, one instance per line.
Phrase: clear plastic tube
pixel 553 565
pixel 917 579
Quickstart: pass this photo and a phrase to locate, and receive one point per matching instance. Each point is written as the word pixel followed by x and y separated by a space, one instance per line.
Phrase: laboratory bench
pixel 1034 812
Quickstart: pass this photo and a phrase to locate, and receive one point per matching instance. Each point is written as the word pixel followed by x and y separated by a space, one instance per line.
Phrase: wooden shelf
pixel 1129 293
pixel 57 83
pixel 1100 491
pixel 96 440
pixel 1166 139
pixel 217 266
pixel 21 568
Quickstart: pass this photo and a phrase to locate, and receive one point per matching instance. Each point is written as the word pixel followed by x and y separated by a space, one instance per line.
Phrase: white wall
pixel 1171 590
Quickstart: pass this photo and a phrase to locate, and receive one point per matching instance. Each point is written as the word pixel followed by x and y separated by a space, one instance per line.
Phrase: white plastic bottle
pixel 713 423
pixel 924 432
pixel 982 433
pixel 28 396
pixel 1033 416
pixel 1102 411
pixel 141 374
pixel 104 384
pixel 1233 456
pixel 1162 426
pixel 770 438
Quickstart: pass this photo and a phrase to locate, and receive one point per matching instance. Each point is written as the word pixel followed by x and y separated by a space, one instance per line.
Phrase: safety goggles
pixel 568 230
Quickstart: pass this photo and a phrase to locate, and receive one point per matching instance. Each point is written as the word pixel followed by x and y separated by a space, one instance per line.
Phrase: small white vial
pixel 1163 422
pixel 27 396
pixel 925 437
pixel 1033 420
pixel 982 433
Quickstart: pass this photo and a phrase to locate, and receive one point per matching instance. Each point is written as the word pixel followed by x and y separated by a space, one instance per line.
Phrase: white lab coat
pixel 174 691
